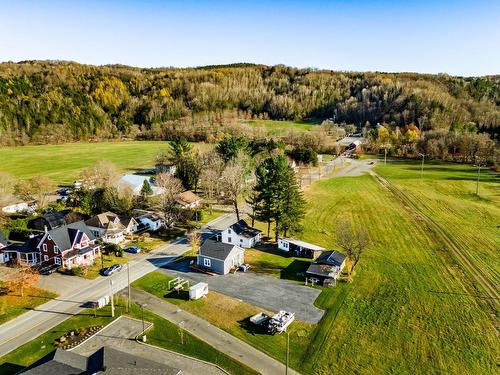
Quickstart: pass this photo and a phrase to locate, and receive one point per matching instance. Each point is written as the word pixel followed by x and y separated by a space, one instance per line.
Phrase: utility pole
pixel 385 156
pixel 478 165
pixel 111 298
pixel 128 282
pixel 181 331
pixel 422 166
pixel 287 351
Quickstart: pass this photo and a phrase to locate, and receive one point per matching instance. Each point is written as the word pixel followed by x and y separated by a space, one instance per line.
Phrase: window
pixel 229 231
pixel 56 249
pixel 45 257
pixel 44 247
pixel 241 240
pixel 207 262
pixel 229 239
pixel 57 261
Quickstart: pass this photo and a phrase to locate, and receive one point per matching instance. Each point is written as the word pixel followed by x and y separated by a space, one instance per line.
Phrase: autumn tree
pixel 211 176
pixel 353 241
pixel 37 188
pixel 165 203
pixel 102 174
pixel 7 183
pixel 235 181
pixel 194 240
pixel 24 277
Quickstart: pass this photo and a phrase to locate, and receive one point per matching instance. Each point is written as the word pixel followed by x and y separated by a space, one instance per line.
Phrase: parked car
pixel 133 250
pixel 112 269
pixel 48 270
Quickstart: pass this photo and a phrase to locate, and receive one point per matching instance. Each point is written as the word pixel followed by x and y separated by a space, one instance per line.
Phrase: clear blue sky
pixel 456 37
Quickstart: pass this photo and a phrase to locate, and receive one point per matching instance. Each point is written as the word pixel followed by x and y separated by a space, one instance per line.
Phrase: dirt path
pixel 492 295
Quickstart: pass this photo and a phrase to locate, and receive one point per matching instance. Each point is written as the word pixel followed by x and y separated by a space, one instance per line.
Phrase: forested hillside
pixel 52 102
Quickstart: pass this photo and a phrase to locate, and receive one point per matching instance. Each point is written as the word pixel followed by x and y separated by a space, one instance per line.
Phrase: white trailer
pixel 198 290
pixel 280 322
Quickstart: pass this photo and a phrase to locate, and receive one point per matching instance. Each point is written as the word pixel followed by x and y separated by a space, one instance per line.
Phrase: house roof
pixel 64 236
pixel 216 249
pixel 186 198
pixel 103 361
pixel 29 246
pixel 58 362
pixel 324 270
pixel 134 181
pixel 303 244
pixel 3 239
pixel 241 228
pixel 332 258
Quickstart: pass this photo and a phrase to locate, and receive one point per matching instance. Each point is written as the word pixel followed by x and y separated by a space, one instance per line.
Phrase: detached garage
pixel 219 257
pixel 300 248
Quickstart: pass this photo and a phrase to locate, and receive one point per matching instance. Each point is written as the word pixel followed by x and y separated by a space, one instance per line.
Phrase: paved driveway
pixel 120 336
pixel 267 292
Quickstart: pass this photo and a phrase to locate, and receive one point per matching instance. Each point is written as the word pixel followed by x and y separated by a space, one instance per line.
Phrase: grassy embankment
pixel 163 334
pixel 410 308
pixel 274 127
pixel 13 305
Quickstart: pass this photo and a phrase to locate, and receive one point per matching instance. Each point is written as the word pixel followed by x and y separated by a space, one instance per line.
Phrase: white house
pixel 19 208
pixel 111 228
pixel 136 182
pixel 241 234
pixel 151 221
pixel 188 199
pixel 300 248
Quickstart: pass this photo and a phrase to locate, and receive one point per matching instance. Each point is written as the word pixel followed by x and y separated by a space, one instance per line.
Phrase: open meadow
pixel 64 162
pixel 274 127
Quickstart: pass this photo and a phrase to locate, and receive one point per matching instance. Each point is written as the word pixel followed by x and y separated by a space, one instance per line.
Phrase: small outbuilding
pixel 219 257
pixel 198 291
pixel 241 234
pixel 300 248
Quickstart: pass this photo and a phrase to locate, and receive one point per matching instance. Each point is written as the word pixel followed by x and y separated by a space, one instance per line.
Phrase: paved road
pixel 32 324
pixel 216 337
pixel 120 335
pixel 265 291
pixel 355 168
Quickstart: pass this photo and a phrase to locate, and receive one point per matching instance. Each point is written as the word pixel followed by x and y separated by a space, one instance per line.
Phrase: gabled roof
pixel 134 181
pixel 186 198
pixel 60 362
pixel 241 228
pixel 332 258
pixel 29 246
pixel 305 245
pixel 216 249
pixel 3 239
pixel 100 221
pixel 65 236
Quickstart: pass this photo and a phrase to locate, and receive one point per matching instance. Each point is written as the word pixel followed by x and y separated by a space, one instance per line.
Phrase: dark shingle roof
pixel 29 246
pixel 321 270
pixel 332 258
pixel 215 249
pixel 64 236
pixel 58 362
pixel 241 228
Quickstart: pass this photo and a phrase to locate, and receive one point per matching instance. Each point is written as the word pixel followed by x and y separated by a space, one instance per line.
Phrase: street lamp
pixel 143 305
pixel 111 282
pixel 287 351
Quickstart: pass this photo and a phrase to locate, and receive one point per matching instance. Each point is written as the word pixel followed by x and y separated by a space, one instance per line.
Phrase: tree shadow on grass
pixel 296 270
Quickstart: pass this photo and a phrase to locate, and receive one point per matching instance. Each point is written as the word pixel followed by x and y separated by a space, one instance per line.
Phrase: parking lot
pixel 260 290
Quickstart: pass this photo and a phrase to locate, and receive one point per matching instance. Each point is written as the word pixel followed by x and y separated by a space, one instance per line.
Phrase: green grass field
pixel 411 308
pixel 275 127
pixel 63 163
pixel 13 305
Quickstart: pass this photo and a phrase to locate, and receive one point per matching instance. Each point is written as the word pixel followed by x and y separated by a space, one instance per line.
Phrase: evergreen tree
pixel 146 189
pixel 230 147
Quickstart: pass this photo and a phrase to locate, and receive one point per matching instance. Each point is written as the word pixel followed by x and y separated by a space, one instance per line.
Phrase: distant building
pixel 111 228
pixel 3 245
pixel 151 221
pixel 103 361
pixel 54 220
pixel 20 208
pixel 188 199
pixel 241 234
pixel 165 168
pixel 218 257
pixel 136 182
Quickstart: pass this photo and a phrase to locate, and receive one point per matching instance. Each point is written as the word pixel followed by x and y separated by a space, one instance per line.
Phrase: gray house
pixel 327 267
pixel 219 257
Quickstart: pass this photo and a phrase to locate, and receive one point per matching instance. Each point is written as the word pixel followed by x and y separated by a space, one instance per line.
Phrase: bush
pixel 77 271
pixel 111 248
pixel 119 252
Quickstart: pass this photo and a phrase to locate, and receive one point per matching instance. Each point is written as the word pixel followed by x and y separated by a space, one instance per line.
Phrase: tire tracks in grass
pixel 492 295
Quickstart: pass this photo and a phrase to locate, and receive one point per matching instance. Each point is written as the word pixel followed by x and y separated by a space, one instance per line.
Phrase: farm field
pixel 280 127
pixel 63 163
pixel 410 308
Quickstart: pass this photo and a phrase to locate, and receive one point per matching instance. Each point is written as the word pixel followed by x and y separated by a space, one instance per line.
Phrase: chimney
pixel 45 228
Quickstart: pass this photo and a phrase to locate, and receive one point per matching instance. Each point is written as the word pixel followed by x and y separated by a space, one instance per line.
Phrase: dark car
pixel 133 250
pixel 48 270
pixel 112 269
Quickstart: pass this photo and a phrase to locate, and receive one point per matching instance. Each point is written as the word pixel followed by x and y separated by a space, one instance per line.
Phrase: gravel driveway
pixel 264 291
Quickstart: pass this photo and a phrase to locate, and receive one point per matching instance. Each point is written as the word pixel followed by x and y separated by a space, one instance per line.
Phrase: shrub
pixel 77 271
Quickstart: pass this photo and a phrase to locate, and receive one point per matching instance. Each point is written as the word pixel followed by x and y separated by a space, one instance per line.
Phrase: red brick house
pixel 67 246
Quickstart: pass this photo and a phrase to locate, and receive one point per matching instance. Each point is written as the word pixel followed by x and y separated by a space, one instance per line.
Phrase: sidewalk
pixel 212 335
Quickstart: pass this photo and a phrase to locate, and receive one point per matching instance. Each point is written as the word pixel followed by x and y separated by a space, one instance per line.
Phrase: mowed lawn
pixel 63 163
pixel 409 308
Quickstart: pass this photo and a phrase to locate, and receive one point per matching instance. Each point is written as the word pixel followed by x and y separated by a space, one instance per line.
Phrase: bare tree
pixel 235 181
pixel 165 202
pixel 211 176
pixel 102 174
pixel 7 183
pixel 353 241
pixel 37 188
